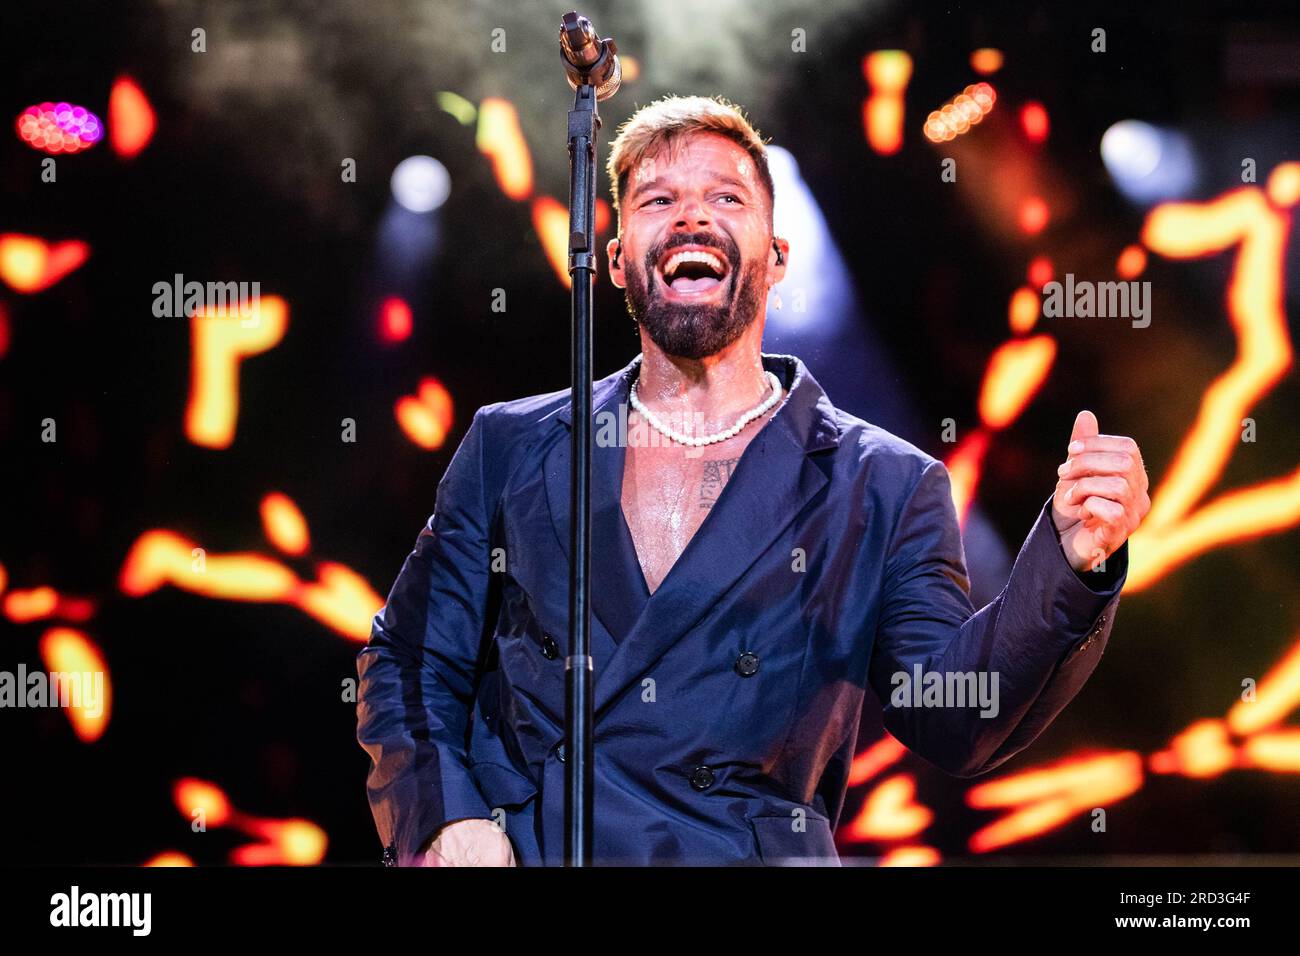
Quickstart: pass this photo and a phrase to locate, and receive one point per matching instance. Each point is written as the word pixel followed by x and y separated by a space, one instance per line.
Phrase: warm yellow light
pixel 986 60
pixel 1172 533
pixel 284 524
pixel 890 812
pixel 500 138
pixel 73 653
pixel 221 340
pixel 1015 372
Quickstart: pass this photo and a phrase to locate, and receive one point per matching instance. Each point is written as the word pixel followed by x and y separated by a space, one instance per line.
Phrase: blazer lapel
pixel 770 485
pixel 618 591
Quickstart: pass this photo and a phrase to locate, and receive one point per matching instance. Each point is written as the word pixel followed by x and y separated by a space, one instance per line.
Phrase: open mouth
pixel 689 271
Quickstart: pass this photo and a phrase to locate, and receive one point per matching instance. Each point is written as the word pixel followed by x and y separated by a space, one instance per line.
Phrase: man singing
pixel 759 559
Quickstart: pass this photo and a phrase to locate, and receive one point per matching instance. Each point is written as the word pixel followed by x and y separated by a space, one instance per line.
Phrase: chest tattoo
pixel 716 473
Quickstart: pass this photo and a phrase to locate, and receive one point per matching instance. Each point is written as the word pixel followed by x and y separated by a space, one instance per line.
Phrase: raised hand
pixel 1101 494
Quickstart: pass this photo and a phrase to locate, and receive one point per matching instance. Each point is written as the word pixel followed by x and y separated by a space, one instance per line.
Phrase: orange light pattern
pixel 1132 262
pixel 890 812
pixel 1045 798
pixel 911 856
pixel 1276 696
pixel 339 598
pixel 163 557
pixel 1202 750
pixel 499 137
pixel 169 858
pixel 221 340
pixel 198 799
pixel 1033 215
pixel 1034 122
pixel 1022 311
pixel 284 843
pixel 964 470
pixel 426 417
pixel 284 525
pixel 1206 749
pixel 29 264
pixel 884 752
pixel 964 111
pixel 44 602
pixel 1170 535
pixel 1173 533
pixel 1283 186
pixel 501 140
pixel 1015 372
pixel 341 601
pixel 72 652
pixel 131 121
pixel 551 223
pixel 1040 273
pixel 1048 797
pixel 1239 515
pixel 887 73
pixel 1278 752
pixel 292 842
pixel 986 60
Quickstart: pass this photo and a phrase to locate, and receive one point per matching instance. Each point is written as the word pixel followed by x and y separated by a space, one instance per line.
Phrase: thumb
pixel 1085 425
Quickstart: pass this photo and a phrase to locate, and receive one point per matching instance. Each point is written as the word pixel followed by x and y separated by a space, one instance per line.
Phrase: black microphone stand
pixel 584 123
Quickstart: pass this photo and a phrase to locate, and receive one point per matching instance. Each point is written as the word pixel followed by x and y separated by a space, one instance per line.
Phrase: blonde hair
pixel 665 122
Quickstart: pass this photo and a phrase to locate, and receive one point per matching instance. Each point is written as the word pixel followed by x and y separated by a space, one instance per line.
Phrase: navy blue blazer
pixel 727 703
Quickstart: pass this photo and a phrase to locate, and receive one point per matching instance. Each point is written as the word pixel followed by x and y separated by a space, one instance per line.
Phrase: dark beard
pixel 694 331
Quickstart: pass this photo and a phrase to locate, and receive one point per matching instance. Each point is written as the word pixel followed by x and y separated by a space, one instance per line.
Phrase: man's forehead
pixel 711 156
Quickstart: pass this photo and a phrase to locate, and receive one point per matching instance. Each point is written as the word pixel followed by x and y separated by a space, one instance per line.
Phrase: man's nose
pixel 693 212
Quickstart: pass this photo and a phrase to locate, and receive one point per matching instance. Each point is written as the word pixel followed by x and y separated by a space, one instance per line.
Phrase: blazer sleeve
pixel 418 673
pixel 1041 637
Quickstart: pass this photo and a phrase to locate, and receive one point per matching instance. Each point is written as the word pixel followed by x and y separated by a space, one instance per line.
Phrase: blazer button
pixel 747 664
pixel 702 778
pixel 550 650
pixel 559 752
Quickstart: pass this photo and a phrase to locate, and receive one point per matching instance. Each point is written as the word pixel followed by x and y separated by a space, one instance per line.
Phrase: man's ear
pixel 778 257
pixel 613 248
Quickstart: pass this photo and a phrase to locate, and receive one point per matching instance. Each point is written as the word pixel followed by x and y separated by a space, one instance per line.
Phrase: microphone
pixel 587 58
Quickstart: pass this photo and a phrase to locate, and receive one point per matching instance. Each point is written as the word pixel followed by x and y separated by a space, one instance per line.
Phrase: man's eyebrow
pixel 720 177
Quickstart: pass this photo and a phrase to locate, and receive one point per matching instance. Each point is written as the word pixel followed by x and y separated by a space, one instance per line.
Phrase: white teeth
pixel 707 258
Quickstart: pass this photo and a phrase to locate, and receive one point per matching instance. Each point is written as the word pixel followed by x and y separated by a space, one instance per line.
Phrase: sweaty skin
pixel 667 495
pixel 701 367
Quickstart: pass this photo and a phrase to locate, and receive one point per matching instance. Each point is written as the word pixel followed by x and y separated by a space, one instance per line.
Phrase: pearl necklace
pixel 731 432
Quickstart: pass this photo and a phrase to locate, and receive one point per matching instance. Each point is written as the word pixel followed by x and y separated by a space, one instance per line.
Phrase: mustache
pixel 729 248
